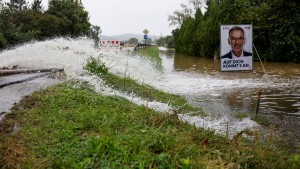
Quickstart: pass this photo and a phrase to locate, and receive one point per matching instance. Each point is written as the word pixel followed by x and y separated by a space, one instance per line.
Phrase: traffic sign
pixel 146 31
pixel 145 36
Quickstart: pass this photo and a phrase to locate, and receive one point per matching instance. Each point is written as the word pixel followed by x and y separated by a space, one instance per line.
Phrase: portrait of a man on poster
pixel 236 47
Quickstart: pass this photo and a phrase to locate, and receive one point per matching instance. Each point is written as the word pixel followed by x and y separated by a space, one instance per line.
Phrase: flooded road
pixel 14 87
pixel 279 84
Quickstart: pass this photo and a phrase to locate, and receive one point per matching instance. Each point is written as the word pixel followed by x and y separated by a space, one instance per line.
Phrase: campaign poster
pixel 236 47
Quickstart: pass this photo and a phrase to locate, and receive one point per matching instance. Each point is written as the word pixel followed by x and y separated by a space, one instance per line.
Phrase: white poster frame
pixel 243 63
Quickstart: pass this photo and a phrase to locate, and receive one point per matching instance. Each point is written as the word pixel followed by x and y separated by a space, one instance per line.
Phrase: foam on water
pixel 221 125
pixel 71 55
pixel 57 53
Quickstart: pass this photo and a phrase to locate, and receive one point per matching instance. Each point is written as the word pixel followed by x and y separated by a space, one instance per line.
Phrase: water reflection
pixel 183 63
pixel 283 98
pixel 279 84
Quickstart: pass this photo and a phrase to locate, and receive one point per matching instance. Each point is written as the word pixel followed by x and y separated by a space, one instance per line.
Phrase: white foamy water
pixel 71 55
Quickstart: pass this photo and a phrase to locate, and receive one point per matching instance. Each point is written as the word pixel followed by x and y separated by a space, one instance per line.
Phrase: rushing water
pixel 221 94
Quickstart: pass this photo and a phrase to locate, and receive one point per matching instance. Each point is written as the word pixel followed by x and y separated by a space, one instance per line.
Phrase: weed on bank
pixel 67 127
pixel 152 53
pixel 128 85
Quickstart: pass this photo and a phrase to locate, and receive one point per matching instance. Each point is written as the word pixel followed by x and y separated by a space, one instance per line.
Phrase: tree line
pixel 275 27
pixel 167 41
pixel 21 22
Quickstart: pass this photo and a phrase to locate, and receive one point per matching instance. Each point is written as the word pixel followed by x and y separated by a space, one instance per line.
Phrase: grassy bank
pixel 151 53
pixel 128 85
pixel 71 126
pixel 64 126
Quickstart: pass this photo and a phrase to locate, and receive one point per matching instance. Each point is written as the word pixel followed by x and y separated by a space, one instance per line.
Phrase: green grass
pixel 67 127
pixel 124 84
pixel 241 115
pixel 151 53
pixel 71 126
pixel 260 119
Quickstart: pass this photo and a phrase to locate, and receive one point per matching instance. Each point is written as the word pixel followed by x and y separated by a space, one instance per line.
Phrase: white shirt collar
pixel 235 57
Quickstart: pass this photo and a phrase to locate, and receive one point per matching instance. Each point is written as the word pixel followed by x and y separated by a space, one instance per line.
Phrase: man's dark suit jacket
pixel 228 55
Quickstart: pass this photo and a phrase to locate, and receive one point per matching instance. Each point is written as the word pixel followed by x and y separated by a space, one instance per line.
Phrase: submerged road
pixel 14 87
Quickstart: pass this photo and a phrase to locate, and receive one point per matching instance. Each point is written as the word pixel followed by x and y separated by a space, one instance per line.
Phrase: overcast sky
pixel 132 16
pixel 117 17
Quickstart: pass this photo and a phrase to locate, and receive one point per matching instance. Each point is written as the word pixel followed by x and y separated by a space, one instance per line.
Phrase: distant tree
pixel 95 32
pixel 10 28
pixel 275 30
pixel 48 26
pixel 3 41
pixel 149 40
pixel 18 5
pixel 133 41
pixel 73 14
pixel 260 27
pixel 168 40
pixel 160 41
pixel 198 36
pixel 37 5
pixel 19 24
pixel 178 16
pixel 283 30
pixel 210 31
pixel 187 10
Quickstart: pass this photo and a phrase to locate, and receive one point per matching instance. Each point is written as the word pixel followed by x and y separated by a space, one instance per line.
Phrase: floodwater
pixel 220 94
pixel 279 84
pixel 14 87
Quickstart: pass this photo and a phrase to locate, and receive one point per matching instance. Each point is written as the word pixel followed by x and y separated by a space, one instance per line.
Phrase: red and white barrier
pixel 111 43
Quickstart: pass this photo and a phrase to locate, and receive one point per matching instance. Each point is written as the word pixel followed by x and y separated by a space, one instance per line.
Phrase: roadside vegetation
pixel 128 85
pixel 151 53
pixel 275 33
pixel 21 22
pixel 167 41
pixel 196 33
pixel 73 127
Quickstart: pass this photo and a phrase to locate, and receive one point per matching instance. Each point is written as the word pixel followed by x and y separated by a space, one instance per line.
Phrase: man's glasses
pixel 233 39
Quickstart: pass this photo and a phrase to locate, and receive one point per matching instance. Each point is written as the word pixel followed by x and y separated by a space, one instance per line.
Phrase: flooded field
pixel 220 94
